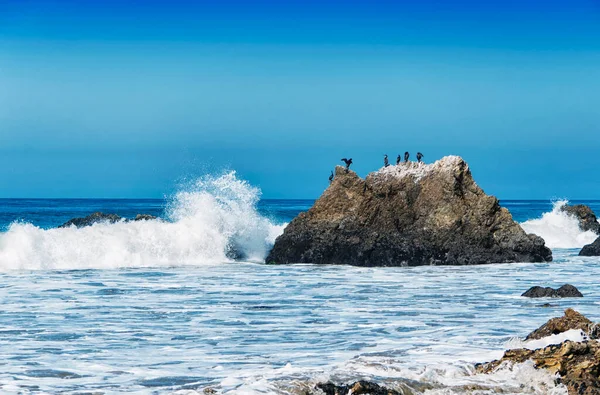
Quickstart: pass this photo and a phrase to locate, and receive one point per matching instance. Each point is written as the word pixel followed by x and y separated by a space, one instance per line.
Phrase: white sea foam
pixel 575 335
pixel 210 218
pixel 559 229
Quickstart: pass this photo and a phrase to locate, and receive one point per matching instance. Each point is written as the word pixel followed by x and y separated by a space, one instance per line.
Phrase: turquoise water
pixel 147 308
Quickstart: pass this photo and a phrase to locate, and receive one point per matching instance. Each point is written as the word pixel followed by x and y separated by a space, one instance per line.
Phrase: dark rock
pixel 566 291
pixel 586 217
pixel 591 249
pixel 144 217
pixel 92 219
pixel 407 215
pixel 102 217
pixel 358 388
pixel 571 320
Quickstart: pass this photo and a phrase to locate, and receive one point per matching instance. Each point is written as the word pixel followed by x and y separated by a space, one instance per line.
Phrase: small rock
pixel 361 387
pixel 566 291
pixel 571 320
pixel 144 217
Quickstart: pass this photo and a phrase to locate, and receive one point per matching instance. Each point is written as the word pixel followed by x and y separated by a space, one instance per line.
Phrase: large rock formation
pixel 576 363
pixel 585 216
pixel 405 215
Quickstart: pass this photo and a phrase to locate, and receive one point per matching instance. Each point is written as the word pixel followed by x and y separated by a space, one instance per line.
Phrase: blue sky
pixel 118 99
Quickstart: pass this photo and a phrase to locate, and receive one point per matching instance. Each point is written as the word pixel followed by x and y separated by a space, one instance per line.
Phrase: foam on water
pixel 559 229
pixel 214 216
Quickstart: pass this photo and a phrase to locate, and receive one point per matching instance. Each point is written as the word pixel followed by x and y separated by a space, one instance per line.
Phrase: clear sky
pixel 127 99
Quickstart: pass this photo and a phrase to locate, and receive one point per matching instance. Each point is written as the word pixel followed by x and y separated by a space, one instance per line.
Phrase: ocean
pixel 156 307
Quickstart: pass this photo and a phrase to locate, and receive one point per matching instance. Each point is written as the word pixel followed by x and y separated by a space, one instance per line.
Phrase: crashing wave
pixel 559 229
pixel 212 221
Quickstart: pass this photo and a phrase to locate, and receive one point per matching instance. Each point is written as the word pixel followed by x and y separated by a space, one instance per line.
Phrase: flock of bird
pixel 386 162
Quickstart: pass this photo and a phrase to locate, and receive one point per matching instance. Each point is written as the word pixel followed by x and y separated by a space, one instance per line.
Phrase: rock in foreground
pixel 571 320
pixel 577 363
pixel 591 249
pixel 407 215
pixel 566 291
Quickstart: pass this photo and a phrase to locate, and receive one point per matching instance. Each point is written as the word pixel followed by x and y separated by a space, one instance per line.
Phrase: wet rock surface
pixel 585 215
pixel 99 217
pixel 576 363
pixel 358 388
pixel 407 215
pixel 571 320
pixel 566 291
pixel 591 249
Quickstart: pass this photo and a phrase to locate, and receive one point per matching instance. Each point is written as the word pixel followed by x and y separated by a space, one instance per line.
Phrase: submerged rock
pixel 585 215
pixel 576 363
pixel 92 219
pixel 566 291
pixel 571 320
pixel 102 217
pixel 144 217
pixel 406 215
pixel 591 249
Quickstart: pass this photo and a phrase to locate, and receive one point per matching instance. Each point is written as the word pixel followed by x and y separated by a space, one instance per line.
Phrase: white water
pixel 558 229
pixel 212 216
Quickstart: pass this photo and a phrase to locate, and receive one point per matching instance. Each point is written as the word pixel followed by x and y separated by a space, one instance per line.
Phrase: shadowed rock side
pixel 591 249
pixel 586 217
pixel 577 363
pixel 566 291
pixel 102 217
pixel 407 215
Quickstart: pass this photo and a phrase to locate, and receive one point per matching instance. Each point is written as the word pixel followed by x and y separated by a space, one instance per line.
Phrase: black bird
pixel 419 156
pixel 398 160
pixel 406 156
pixel 331 178
pixel 348 162
pixel 385 161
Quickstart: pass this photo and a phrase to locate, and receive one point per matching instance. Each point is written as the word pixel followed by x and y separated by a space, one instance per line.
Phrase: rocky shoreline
pixel 407 215
pixel 576 364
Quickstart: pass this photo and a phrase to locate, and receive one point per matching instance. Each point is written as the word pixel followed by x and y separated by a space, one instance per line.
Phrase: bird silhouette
pixel 419 156
pixel 348 162
pixel 385 161
pixel 406 156
pixel 398 160
pixel 331 178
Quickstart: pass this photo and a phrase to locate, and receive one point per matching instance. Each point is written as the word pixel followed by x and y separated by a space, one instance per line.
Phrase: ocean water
pixel 158 307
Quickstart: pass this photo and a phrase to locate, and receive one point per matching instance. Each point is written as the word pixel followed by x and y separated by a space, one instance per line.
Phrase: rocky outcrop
pixel 586 217
pixel 571 320
pixel 406 215
pixel 591 249
pixel 566 291
pixel 102 217
pixel 576 363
